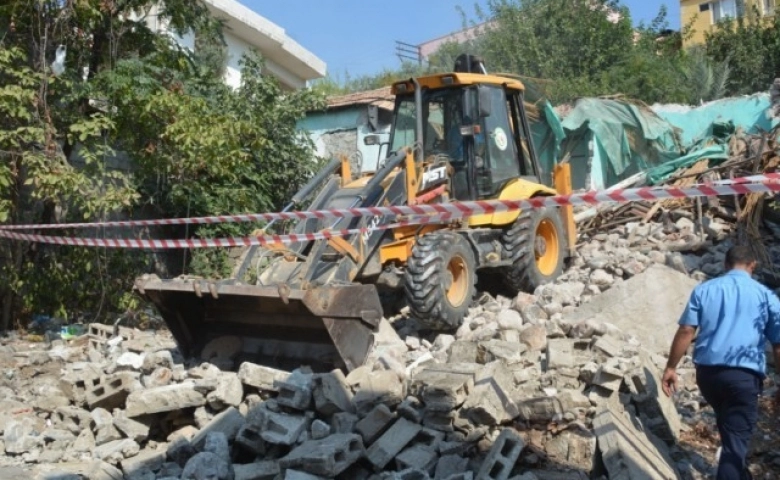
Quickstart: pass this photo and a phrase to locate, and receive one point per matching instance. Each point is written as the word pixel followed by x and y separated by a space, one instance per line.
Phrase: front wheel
pixel 535 244
pixel 440 279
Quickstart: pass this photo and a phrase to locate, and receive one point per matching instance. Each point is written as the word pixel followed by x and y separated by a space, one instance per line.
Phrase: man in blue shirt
pixel 735 316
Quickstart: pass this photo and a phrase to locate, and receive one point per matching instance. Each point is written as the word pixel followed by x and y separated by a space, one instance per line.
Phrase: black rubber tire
pixel 427 273
pixel 518 243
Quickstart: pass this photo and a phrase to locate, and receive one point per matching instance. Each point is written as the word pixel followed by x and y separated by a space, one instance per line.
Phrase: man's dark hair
pixel 739 255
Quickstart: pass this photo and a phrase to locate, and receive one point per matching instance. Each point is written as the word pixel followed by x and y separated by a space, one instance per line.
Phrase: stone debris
pixel 549 385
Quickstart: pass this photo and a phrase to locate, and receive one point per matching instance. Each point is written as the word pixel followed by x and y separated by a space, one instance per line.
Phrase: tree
pixel 751 46
pixel 86 85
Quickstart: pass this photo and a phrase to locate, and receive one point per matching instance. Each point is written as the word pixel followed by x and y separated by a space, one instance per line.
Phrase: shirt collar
pixel 738 273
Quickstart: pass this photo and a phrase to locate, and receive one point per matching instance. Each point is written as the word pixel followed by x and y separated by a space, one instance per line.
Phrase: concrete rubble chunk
pixel 163 399
pixel 283 429
pixel 20 436
pixel 331 393
pixel 502 456
pixel 248 438
pixel 492 400
pixel 462 351
pixel 374 424
pixel 260 377
pixel 319 429
pixel 419 457
pixel 441 390
pixel 657 411
pixel 298 475
pixel 116 451
pixel 207 466
pixel 534 337
pixel 227 422
pixel 608 345
pixel 392 442
pixel 492 350
pixel 265 470
pixel 381 387
pixel 343 422
pixel 149 459
pixel 105 431
pixel 665 292
pixel 560 353
pixel 295 390
pixel 327 457
pixel 450 465
pixel 627 452
pixel 133 429
pixel 228 393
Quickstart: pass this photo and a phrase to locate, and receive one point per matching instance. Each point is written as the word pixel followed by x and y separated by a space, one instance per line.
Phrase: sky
pixel 358 36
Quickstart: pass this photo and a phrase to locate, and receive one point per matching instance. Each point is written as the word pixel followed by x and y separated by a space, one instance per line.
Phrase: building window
pixel 723 9
pixel 704 7
pixel 769 7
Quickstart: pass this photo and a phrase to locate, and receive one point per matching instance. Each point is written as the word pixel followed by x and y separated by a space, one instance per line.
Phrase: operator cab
pixel 474 122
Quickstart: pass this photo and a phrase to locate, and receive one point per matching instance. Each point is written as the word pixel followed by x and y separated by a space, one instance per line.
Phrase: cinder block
pixel 298 475
pixel 110 392
pixel 76 384
pixel 392 442
pixel 295 390
pixel 343 422
pixel 331 393
pixel 429 438
pixel 374 424
pixel 249 438
pixel 327 457
pixel 441 390
pixel 283 429
pixel 164 399
pixel 441 421
pixel 266 470
pixel 419 457
pixel 502 456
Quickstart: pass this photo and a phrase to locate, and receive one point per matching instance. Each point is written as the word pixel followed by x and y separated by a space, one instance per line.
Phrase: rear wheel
pixel 440 280
pixel 535 244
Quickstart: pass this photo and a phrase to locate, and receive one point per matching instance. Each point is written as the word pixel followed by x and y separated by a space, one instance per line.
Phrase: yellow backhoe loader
pixel 455 137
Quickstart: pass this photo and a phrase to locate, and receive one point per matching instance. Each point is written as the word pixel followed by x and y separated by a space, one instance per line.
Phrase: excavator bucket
pixel 321 327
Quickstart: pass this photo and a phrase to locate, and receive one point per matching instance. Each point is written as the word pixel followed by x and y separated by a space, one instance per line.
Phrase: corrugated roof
pixel 381 97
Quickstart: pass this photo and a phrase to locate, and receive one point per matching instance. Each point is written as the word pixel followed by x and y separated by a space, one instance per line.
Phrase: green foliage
pixel 751 46
pixel 131 125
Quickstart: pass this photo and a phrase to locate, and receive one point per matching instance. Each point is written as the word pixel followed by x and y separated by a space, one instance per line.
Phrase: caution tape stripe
pixel 414 215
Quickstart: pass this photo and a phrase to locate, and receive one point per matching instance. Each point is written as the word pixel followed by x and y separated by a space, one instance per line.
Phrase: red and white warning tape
pixel 410 215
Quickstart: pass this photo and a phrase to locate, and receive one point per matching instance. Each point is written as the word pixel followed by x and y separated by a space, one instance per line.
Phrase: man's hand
pixel 670 381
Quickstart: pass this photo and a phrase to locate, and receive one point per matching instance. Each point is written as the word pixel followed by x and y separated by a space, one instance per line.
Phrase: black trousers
pixel 733 394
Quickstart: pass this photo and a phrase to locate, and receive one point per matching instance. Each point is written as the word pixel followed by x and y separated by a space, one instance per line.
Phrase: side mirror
pixel 370 140
pixel 485 95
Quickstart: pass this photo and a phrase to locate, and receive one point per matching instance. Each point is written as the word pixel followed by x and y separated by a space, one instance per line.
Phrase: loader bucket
pixel 322 327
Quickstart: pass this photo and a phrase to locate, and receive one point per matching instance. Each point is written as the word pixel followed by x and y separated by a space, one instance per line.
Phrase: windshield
pixel 442 119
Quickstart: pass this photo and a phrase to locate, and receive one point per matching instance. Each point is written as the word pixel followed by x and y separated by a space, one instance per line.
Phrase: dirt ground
pixel 703 439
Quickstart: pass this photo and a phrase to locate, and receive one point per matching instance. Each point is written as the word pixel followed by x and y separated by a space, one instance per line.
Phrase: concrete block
pixel 283 429
pixel 450 465
pixel 441 421
pixel 560 353
pixel 343 422
pixel 539 409
pixel 163 399
pixel 260 377
pixel 461 476
pixel 502 456
pixel 418 457
pixel 327 457
pixel 295 390
pixel 374 424
pixel 491 401
pixel 332 394
pixel 248 438
pixel 392 442
pixel 627 452
pixel 609 378
pixel 609 346
pixel 75 384
pixel 429 438
pixel 227 422
pixel 110 391
pixel 408 474
pixel 266 470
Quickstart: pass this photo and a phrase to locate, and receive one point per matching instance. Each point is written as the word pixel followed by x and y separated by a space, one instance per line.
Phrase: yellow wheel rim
pixel 458 281
pixel 546 247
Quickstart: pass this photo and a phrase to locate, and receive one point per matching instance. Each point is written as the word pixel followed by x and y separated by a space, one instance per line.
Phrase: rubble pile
pixel 544 386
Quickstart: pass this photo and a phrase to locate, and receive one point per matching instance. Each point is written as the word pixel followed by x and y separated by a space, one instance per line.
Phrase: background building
pixel 704 16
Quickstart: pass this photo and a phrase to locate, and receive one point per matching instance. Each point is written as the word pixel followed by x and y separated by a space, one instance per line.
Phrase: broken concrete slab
pixel 260 377
pixel 657 411
pixel 331 393
pixel 627 452
pixel 164 399
pixel 651 316
pixel 418 457
pixel 374 424
pixel 227 423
